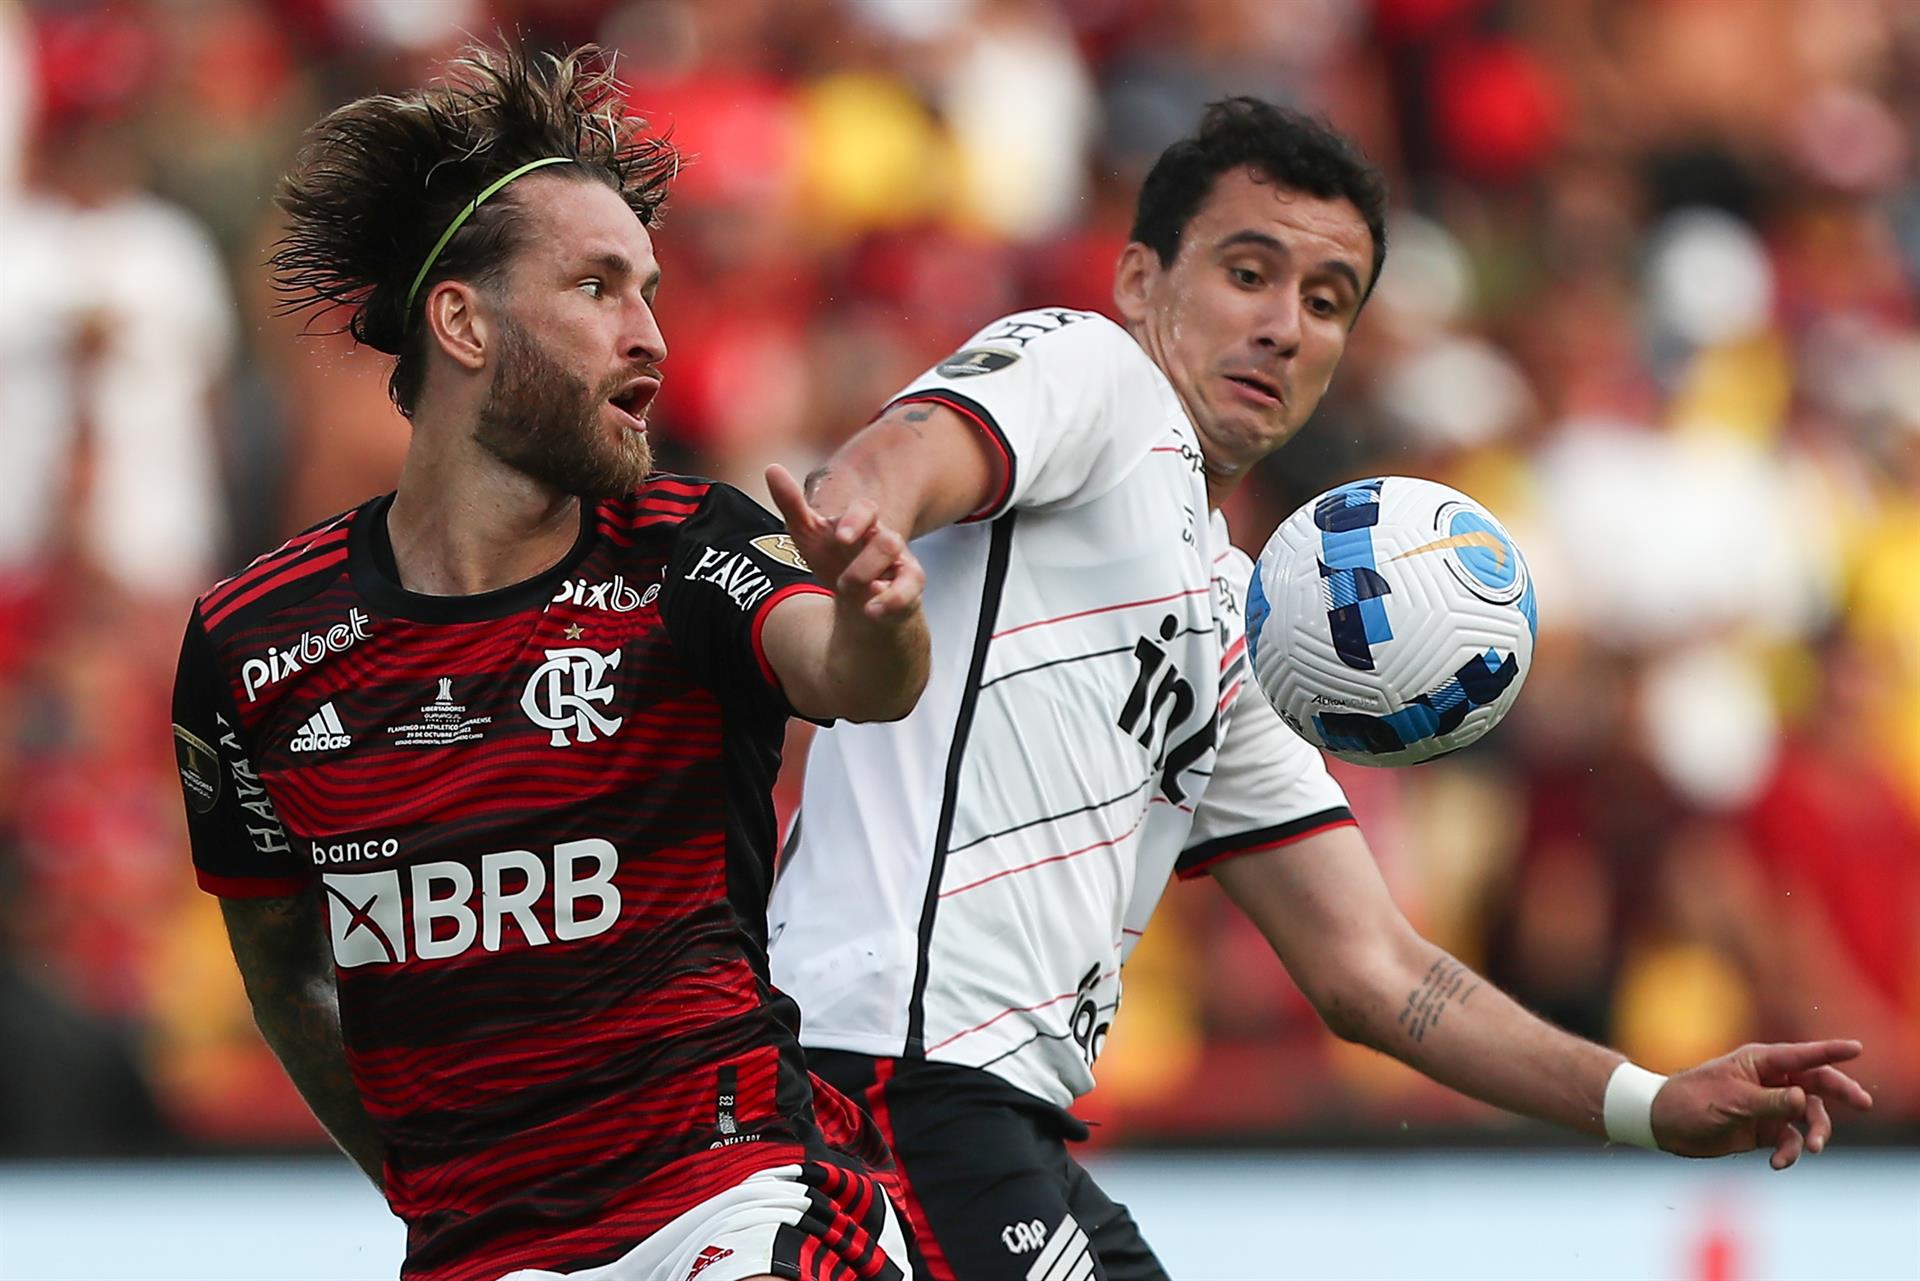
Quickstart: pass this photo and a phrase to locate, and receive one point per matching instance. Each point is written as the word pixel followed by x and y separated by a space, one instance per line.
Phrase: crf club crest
pixel 566 695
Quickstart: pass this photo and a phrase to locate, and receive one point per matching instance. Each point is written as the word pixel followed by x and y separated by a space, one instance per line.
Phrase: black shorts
pixel 985 1179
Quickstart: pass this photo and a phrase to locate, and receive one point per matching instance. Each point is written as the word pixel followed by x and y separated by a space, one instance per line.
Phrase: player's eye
pixel 594 288
pixel 1323 306
pixel 1245 277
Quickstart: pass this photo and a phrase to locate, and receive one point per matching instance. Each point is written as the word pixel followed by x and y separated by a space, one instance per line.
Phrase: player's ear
pixel 1133 278
pixel 457 317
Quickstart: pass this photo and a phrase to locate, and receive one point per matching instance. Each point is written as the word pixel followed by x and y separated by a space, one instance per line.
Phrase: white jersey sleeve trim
pixel 1067 398
pixel 1199 860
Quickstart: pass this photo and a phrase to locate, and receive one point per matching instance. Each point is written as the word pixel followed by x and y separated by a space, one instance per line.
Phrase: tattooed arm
pixel 920 464
pixel 280 945
pixel 1375 980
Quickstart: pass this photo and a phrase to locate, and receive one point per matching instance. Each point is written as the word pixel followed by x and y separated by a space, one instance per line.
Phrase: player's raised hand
pixel 867 564
pixel 1759 1096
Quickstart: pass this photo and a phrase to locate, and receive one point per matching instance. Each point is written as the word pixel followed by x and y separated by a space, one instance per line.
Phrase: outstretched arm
pixel 280 945
pixel 921 464
pixel 916 468
pixel 863 654
pixel 1376 981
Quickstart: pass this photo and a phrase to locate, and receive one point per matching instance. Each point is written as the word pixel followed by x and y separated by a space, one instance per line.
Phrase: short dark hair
pixel 380 179
pixel 1286 147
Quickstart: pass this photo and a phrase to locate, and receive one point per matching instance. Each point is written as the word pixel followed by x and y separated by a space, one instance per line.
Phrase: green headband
pixel 461 220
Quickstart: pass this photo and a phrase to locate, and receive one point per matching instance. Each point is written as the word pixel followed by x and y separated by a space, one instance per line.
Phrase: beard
pixel 546 423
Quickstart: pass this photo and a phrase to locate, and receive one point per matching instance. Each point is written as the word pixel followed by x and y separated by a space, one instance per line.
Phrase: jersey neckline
pixel 376 575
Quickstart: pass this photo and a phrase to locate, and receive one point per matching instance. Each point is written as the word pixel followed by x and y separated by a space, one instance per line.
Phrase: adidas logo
pixel 323 732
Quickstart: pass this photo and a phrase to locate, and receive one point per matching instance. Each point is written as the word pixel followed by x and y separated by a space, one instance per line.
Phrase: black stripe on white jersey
pixel 1037 1037
pixel 1054 818
pixel 1081 658
pixel 1078 809
pixel 999 557
pixel 788 846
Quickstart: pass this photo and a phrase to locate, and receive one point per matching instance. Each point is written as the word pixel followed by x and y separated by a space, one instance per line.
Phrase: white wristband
pixel 1628 1111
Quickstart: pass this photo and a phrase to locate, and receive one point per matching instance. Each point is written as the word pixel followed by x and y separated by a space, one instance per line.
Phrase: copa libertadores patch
pixel 974 361
pixel 199 770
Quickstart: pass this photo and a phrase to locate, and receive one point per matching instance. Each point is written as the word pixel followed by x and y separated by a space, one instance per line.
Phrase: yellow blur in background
pixel 1657 310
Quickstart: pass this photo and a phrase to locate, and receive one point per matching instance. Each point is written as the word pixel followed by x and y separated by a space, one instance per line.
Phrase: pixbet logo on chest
pixel 278 664
pixel 616 595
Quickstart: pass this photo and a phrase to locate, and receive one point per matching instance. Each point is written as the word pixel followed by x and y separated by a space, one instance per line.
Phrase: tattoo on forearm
pixel 285 960
pixel 914 415
pixel 1447 982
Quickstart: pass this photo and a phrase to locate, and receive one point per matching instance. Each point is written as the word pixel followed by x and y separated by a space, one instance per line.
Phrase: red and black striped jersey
pixel 540 822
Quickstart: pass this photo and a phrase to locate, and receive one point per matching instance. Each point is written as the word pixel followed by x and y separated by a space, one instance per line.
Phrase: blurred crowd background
pixel 1651 297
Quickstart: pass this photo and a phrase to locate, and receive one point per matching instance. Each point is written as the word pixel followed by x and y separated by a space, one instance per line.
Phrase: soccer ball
pixel 1390 621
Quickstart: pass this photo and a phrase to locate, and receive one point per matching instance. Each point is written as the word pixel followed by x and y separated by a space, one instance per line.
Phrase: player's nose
pixel 1279 329
pixel 642 341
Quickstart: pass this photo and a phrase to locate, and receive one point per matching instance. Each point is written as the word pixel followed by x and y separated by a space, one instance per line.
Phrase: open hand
pixel 1759 1096
pixel 866 563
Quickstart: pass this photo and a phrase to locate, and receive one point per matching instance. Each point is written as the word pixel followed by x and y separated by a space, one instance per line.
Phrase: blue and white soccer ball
pixel 1390 621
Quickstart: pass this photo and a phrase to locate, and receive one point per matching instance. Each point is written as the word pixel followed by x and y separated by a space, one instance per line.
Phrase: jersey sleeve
pixel 240 849
pixel 1066 398
pixel 732 562
pixel 1270 787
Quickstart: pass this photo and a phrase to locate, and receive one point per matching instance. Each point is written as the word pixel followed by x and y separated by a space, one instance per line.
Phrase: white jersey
pixel 964 884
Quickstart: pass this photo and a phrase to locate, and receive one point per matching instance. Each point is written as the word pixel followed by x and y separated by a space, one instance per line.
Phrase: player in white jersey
pixel 963 886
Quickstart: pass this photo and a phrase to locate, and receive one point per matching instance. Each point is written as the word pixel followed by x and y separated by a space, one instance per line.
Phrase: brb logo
pixel 437 910
pixel 565 695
